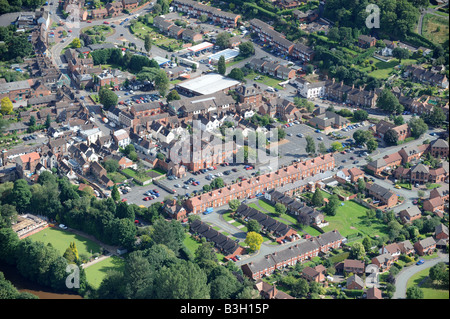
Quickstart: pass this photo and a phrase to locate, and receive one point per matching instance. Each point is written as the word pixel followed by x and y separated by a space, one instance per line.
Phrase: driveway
pixel 404 275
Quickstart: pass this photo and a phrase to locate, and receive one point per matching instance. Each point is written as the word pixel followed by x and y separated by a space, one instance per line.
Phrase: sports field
pixel 61 239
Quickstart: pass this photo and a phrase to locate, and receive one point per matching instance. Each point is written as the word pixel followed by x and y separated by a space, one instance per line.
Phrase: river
pixel 22 284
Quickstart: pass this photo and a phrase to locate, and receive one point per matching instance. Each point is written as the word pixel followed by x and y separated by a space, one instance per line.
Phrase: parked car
pixel 420 262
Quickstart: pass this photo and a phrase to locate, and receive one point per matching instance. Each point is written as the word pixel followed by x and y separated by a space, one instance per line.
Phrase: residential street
pixel 406 273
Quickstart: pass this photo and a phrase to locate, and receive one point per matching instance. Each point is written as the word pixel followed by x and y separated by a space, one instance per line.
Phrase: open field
pixel 61 240
pixel 430 290
pixel 435 28
pixel 351 218
pixel 96 272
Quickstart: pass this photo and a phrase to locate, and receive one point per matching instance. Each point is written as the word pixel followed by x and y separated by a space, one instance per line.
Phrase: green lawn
pixel 116 177
pixel 430 290
pixel 61 239
pixel 384 68
pixel 265 79
pixel 96 272
pixel 191 244
pixel 351 218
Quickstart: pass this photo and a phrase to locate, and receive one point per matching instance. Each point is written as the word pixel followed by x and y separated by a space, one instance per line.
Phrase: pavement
pixel 405 274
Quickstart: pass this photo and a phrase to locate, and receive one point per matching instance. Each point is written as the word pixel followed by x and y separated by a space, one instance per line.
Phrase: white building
pixel 308 89
pixel 122 138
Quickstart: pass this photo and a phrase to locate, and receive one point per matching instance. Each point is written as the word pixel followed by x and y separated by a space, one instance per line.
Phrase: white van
pixel 270 89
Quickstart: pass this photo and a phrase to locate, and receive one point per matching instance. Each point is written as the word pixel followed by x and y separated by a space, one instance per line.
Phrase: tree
pixel 317 199
pixel 75 43
pixel 360 115
pixel 417 127
pixel 399 120
pixel 48 121
pixel 401 54
pixel 173 95
pixel 237 74
pixel 310 145
pixel 253 226
pixel 107 98
pixel 234 204
pixel 246 49
pixel 147 43
pixel 221 67
pixel 223 40
pixel 391 137
pixel 361 185
pixel 111 165
pixel 20 195
pixel 372 145
pixel 336 146
pixel 6 106
pixel 280 209
pixel 322 148
pixel 115 193
pixel 162 82
pixel 435 118
pixel 361 137
pixel 217 183
pixel 332 205
pixel 168 233
pixel 414 292
pixel 357 251
pixel 254 241
pixel 389 102
pixel 181 280
pixel 438 272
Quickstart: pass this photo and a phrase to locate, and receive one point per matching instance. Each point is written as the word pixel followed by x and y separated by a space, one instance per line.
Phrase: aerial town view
pixel 243 151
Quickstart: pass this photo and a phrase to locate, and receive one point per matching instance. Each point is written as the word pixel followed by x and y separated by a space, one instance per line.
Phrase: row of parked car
pixel 29 137
pixel 151 194
pixel 353 126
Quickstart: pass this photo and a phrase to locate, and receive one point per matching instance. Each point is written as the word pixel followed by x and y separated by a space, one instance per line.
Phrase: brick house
pixel 114 8
pixel 383 261
pixel 189 35
pixel 99 13
pixel 174 210
pixel 355 282
pixel 353 266
pixel 434 205
pixel 262 183
pixel 385 196
pixel 27 162
pixel 130 4
pixel 312 274
pixel 410 214
pixel 439 148
pixel 425 246
pixel 145 109
pixel 366 42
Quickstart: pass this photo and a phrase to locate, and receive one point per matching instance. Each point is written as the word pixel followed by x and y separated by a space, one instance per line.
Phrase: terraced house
pixel 216 15
pixel 292 255
pixel 262 183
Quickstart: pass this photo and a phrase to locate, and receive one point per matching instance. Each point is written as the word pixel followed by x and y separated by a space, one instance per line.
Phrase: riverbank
pixel 24 285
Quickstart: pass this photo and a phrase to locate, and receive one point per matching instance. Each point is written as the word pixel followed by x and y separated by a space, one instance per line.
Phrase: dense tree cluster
pixel 15 46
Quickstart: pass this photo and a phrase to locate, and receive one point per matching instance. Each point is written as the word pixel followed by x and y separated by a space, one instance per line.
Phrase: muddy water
pixel 22 284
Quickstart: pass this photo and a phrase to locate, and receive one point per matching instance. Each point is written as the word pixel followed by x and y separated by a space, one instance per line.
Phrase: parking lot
pixel 296 147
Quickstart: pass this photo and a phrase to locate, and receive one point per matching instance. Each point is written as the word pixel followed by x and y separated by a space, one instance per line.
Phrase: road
pixel 406 273
pixel 431 11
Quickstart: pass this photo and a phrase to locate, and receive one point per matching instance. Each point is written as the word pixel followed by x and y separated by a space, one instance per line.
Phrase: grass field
pixel 351 218
pixel 61 240
pixel 430 290
pixel 265 79
pixel 96 272
pixel 435 28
